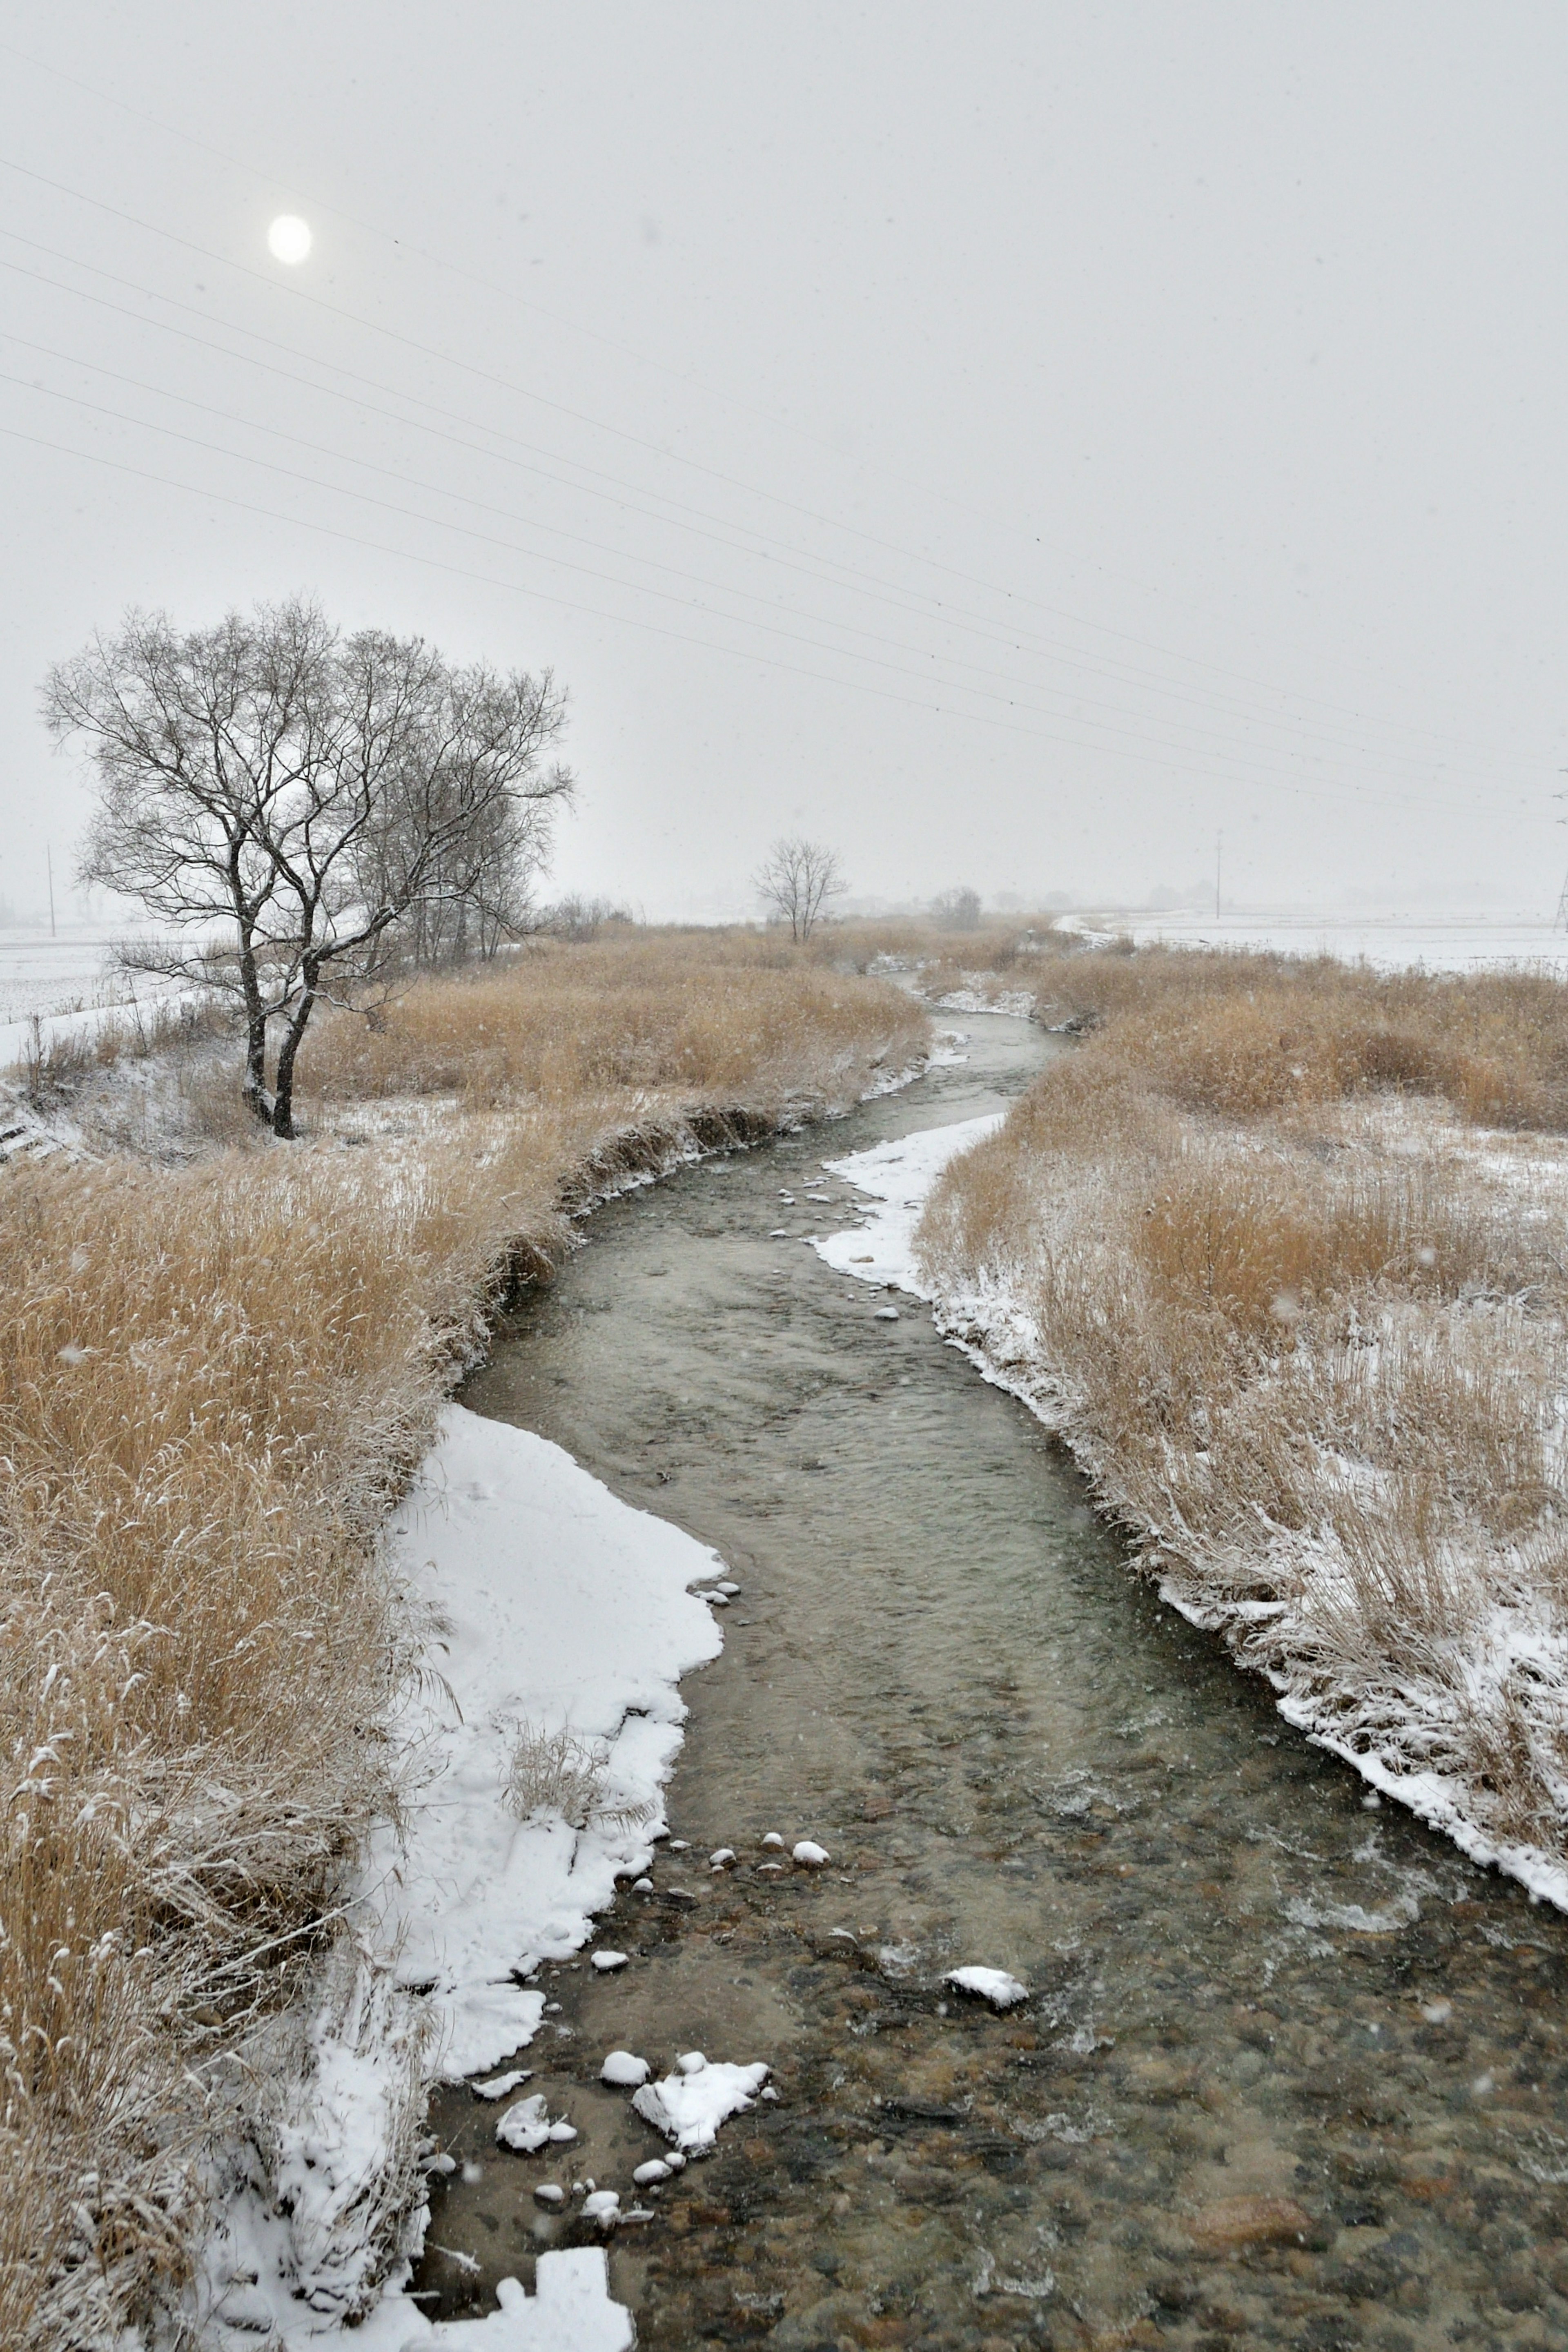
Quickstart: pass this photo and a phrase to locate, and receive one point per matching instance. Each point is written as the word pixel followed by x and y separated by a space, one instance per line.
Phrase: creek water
pixel 1291 2070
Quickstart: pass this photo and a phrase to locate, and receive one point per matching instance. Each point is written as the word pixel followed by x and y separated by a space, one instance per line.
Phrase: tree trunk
pixel 282 1091
pixel 255 1033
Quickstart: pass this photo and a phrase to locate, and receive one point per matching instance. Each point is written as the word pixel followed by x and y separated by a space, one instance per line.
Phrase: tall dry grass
pixel 730 1014
pixel 1311 1340
pixel 1242 1033
pixel 212 1384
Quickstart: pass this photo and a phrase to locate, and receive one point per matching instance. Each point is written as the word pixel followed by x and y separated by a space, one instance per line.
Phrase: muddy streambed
pixel 1291 2072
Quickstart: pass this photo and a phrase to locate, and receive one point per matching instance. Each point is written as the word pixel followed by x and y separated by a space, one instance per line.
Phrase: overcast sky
pixel 1013 443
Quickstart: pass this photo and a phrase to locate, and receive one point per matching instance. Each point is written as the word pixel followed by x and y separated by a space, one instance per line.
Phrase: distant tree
pixel 582 920
pixel 957 911
pixel 796 879
pixel 295 804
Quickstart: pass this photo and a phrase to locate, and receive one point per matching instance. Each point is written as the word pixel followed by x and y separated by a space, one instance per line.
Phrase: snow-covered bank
pixel 539 1741
pixel 898 1176
pixel 1496 1669
pixel 559 1608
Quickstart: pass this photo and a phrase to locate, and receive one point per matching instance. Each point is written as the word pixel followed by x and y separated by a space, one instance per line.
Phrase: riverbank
pixel 1267 1257
pixel 218 1379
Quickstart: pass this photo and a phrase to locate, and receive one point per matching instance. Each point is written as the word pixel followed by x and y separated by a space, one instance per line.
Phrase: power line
pixel 1015 699
pixel 545 596
pixel 425 351
pixel 881 591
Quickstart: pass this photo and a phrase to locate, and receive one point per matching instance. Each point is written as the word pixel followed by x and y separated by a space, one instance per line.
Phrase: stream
pixel 1290 2072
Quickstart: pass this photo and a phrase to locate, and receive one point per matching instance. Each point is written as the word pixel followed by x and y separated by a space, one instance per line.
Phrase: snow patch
pixel 559 1605
pixel 689 2107
pixel 897 1177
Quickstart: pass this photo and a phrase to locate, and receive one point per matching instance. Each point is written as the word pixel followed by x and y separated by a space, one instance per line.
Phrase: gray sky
pixel 1011 442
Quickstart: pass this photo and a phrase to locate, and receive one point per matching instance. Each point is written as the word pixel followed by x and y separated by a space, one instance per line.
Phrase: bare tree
pixel 581 921
pixel 796 879
pixel 957 911
pixel 284 798
pixel 479 891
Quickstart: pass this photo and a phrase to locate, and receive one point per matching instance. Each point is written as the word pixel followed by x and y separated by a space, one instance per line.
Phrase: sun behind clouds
pixel 289 238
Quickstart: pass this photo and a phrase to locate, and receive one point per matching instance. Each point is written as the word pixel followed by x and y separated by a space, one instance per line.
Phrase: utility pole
pixel 49 863
pixel 1218 844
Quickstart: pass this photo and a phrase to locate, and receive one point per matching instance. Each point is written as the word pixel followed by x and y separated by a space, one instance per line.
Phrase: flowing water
pixel 1291 2070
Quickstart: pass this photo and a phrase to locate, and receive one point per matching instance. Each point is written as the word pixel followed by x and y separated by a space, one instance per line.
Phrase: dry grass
pixel 648 1016
pixel 554 1771
pixel 1311 1340
pixel 1244 1035
pixel 213 1384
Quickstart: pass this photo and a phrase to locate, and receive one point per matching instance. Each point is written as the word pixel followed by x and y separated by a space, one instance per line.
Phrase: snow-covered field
pixel 64 982
pixel 1393 942
pixel 44 972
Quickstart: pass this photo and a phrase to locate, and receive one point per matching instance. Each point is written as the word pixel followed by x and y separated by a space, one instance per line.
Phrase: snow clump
pixel 994 1984
pixel 623 2072
pixel 688 2106
pixel 527 2128
pixel 499 2085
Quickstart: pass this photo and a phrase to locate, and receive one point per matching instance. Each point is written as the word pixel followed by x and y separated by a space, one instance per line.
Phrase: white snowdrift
pixel 561 1606
pixel 555 1605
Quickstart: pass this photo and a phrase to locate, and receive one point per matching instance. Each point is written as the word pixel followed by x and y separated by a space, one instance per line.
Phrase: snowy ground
pixel 551 1607
pixel 65 980
pixel 1393 942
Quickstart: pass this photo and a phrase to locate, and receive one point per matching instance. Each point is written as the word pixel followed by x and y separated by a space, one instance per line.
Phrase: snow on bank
pixel 565 1610
pixel 553 1606
pixel 997 1332
pixel 899 1177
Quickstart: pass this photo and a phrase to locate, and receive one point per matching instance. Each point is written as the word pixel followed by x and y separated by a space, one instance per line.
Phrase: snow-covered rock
pixel 527 2128
pixel 688 2109
pixel 498 2085
pixel 623 2072
pixel 995 1985
pixel 810 1855
pixel 608 1962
